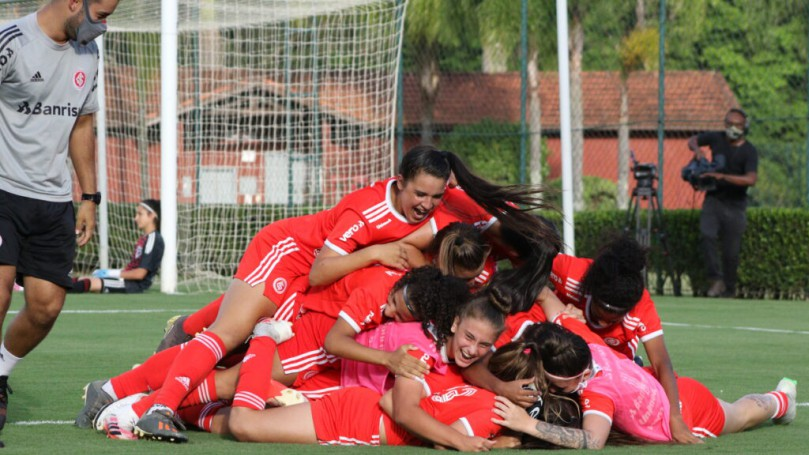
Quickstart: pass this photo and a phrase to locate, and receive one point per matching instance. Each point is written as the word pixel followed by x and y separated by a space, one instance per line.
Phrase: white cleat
pixel 790 389
pixel 118 415
pixel 279 331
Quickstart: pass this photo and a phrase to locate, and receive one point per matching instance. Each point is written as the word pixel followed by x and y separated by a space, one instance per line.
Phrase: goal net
pixel 284 106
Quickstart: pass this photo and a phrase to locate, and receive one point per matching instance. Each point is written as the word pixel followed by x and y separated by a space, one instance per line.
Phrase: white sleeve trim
pixel 467 425
pixel 350 321
pixel 598 413
pixel 651 336
pixel 425 385
pixel 150 241
pixel 433 226
pixel 488 224
pixel 335 248
pixel 524 326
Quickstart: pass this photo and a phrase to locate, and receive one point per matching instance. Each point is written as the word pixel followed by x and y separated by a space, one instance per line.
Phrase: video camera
pixel 695 169
pixel 644 173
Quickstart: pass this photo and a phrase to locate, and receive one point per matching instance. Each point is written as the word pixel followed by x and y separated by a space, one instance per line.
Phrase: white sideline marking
pixel 749 329
pixel 162 310
pixel 43 422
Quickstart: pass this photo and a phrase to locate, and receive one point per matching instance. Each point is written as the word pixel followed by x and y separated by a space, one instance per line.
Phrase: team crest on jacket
pixel 79 79
pixel 612 341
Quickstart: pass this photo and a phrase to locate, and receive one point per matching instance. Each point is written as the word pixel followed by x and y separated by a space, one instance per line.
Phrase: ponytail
pixel 510 203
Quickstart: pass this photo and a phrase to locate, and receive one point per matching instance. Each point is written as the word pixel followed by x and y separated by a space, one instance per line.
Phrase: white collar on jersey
pixel 389 202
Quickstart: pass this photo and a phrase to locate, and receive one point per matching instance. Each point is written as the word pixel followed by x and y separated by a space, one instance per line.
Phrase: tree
pixel 638 51
pixel 431 24
pixel 497 22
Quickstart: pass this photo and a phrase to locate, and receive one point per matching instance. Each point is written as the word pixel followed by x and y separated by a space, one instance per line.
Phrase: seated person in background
pixel 138 275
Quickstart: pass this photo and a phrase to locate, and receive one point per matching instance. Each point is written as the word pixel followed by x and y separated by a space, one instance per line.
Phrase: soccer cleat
pixel 95 398
pixel 160 425
pixel 173 333
pixel 116 431
pixel 5 391
pixel 279 331
pixel 790 388
pixel 281 395
pixel 121 410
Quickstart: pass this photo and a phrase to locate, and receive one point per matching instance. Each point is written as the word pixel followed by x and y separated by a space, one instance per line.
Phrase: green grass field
pixel 732 346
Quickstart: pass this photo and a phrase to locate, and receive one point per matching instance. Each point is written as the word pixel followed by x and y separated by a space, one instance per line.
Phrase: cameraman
pixel 723 211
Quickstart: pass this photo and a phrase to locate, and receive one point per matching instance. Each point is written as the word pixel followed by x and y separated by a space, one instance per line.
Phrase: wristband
pixel 92 197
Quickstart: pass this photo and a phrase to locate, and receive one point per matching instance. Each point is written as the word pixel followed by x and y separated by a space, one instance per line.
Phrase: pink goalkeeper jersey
pixel 625 394
pixel 388 337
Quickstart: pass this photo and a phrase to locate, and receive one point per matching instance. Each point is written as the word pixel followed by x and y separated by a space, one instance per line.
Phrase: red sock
pixel 201 415
pixel 203 318
pixel 204 393
pixel 781 404
pixel 147 376
pixel 255 374
pixel 141 406
pixel 189 369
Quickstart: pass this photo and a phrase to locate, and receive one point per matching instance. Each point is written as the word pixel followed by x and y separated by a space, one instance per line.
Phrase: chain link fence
pixel 480 78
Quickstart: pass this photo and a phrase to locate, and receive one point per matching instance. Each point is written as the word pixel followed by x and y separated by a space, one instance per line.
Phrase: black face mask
pixel 89 29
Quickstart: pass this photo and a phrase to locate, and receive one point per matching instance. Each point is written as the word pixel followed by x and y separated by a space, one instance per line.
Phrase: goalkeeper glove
pixel 107 273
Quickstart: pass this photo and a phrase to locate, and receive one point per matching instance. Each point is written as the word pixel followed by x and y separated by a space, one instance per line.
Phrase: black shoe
pixel 173 333
pixel 95 398
pixel 160 425
pixel 5 391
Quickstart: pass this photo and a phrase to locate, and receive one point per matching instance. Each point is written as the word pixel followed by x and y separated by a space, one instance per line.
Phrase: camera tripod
pixel 644 217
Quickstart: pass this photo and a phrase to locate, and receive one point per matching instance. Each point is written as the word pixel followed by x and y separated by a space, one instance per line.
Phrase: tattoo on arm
pixel 573 438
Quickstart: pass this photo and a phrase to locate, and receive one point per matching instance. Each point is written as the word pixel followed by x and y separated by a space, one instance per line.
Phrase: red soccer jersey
pixel 371 284
pixel 641 324
pixel 517 323
pixel 365 307
pixel 361 218
pixel 468 404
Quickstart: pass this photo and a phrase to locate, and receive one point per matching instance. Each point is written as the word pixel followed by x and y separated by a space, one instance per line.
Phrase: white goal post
pixel 236 113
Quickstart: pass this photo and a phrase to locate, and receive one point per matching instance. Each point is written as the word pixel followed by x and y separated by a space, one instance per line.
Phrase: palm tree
pixel 499 34
pixel 431 24
pixel 638 51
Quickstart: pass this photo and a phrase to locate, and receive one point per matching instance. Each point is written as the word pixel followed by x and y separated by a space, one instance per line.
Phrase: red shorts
pixel 304 353
pixel 701 410
pixel 348 417
pixel 317 386
pixel 273 258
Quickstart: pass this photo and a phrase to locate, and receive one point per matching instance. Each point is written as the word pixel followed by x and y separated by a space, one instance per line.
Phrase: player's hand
pixel 474 444
pixel 716 175
pixel 100 273
pixel 680 432
pixel 85 222
pixel 512 416
pixel 393 255
pixel 574 312
pixel 107 273
pixel 699 154
pixel 401 363
pixel 519 392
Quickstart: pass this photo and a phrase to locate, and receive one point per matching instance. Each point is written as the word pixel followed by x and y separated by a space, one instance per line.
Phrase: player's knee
pixel 43 313
pixel 239 424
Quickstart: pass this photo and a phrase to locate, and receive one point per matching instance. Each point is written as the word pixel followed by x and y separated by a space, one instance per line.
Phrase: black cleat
pixel 173 334
pixel 95 399
pixel 5 391
pixel 160 425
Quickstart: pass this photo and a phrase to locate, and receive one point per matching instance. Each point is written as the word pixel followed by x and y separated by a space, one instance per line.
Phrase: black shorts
pixel 38 237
